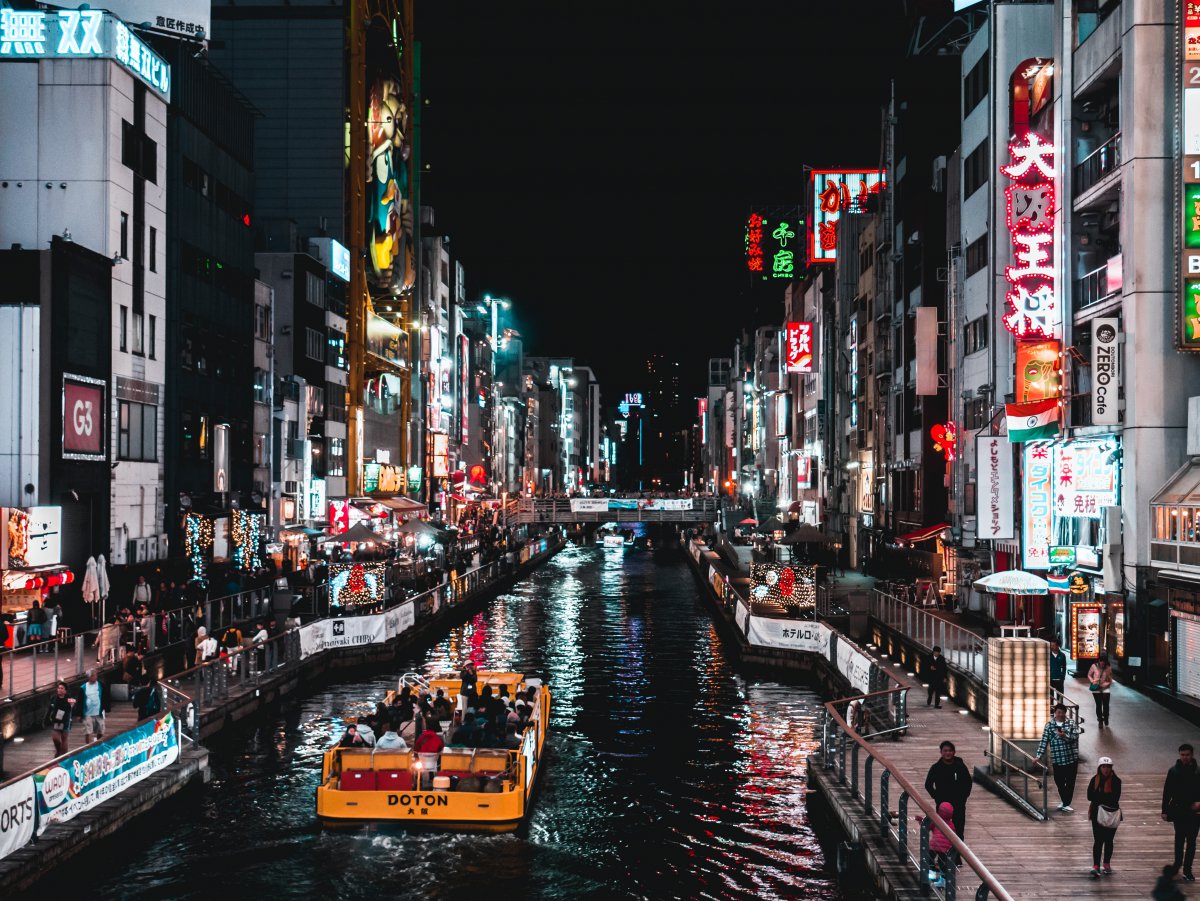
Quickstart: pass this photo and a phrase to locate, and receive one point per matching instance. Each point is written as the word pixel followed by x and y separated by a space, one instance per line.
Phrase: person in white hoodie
pixel 390 741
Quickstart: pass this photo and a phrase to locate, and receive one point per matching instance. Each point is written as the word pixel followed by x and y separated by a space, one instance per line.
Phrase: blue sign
pixel 80 34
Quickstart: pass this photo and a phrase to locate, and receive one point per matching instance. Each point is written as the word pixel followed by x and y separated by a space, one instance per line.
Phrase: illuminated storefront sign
pixel 702 404
pixel 1085 631
pixel 80 34
pixel 1033 302
pixel 773 243
pixel 1087 477
pixel 1038 509
pixel 1038 370
pixel 994 465
pixel 783 421
pixel 386 341
pixel 83 418
pixel 854 373
pixel 799 347
pixel 1188 315
pixel 945 440
pixel 836 192
pixel 1106 371
pixel 339 517
pixel 1067 482
pixel 464 385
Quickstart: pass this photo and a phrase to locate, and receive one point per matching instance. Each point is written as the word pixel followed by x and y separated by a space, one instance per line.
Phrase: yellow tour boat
pixel 389 786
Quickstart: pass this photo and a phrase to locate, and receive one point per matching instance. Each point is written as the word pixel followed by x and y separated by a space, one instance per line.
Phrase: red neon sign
pixel 835 193
pixel 799 350
pixel 945 440
pixel 1032 299
pixel 754 251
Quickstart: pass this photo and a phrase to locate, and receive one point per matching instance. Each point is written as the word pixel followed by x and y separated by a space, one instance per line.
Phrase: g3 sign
pixel 84 407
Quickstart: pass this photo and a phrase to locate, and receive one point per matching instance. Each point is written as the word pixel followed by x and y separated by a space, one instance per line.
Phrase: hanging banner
pixel 789 634
pixel 740 614
pixel 1106 373
pixel 102 770
pixel 589 505
pixel 994 489
pixel 854 665
pixel 16 816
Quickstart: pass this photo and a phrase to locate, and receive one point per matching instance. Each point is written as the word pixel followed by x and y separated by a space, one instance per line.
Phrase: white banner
pixel 790 634
pixel 16 816
pixel 1106 371
pixel 667 503
pixel 854 665
pixel 740 615
pixel 589 505
pixel 994 488
pixel 312 638
pixel 407 617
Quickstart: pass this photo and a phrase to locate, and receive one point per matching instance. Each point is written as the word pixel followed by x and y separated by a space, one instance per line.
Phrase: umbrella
pixel 772 525
pixel 358 534
pixel 91 584
pixel 418 527
pixel 1013 581
pixel 748 521
pixel 806 534
pixel 102 583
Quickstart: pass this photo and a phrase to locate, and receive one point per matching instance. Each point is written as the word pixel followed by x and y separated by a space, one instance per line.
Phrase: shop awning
pixel 302 530
pixel 1182 488
pixel 401 504
pixel 369 507
pixel 921 534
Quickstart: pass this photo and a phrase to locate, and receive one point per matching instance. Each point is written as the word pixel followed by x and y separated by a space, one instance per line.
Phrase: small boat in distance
pixel 464 789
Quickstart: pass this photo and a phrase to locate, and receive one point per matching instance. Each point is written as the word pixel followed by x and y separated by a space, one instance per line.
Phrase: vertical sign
pixel 729 419
pixel 1032 299
pixel 464 385
pixel 836 192
pixel 1188 318
pixel 799 348
pixel 1039 511
pixel 783 421
pixel 774 243
pixel 221 458
pixel 84 405
pixel 703 411
pixel 994 465
pixel 1106 373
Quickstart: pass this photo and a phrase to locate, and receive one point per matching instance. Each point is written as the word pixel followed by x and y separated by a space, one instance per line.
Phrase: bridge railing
pixel 620 509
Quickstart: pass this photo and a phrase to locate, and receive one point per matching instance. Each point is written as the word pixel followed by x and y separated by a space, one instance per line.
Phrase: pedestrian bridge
pixel 617 509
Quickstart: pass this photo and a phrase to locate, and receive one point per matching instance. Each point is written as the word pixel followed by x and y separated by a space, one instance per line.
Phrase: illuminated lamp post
pixel 494 304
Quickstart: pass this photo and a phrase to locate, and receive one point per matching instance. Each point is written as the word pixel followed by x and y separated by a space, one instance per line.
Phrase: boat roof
pixel 483 677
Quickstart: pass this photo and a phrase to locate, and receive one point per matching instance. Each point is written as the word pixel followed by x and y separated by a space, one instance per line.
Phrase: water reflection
pixel 669 776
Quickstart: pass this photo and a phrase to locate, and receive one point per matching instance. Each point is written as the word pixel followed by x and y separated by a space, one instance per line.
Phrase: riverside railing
pixel 962 648
pixel 1026 777
pixel 872 779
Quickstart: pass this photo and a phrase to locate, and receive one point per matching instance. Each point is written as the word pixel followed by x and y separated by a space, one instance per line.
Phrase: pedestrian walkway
pixel 37 748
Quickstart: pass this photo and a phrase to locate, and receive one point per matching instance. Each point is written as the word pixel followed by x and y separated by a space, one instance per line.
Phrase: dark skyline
pixel 596 167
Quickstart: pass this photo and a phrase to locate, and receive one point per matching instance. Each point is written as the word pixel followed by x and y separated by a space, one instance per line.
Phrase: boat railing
pixel 414 680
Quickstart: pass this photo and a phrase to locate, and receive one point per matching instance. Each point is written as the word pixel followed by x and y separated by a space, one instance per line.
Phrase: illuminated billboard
pixel 773 241
pixel 1038 370
pixel 83 418
pixel 1187 317
pixel 1032 297
pixel 798 350
pixel 835 193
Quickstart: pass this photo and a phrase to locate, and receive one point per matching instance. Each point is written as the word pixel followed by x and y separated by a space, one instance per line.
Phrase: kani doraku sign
pixel 1105 372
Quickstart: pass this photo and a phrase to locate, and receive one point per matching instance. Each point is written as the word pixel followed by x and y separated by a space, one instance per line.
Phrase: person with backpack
pixel 148 698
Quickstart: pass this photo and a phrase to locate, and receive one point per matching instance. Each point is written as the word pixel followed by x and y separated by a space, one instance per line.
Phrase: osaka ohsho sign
pixel 994 465
pixel 83 418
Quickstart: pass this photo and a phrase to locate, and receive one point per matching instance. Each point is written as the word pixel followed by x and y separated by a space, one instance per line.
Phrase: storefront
pixel 31 567
pixel 1171 615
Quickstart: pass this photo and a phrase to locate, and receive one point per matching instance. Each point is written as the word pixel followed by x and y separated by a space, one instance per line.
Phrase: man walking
pixel 1063 738
pixel 937 678
pixel 93 703
pixel 1058 667
pixel 1181 808
pixel 949 780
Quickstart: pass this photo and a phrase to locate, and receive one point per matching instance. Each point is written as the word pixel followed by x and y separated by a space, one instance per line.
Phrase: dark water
pixel 670 775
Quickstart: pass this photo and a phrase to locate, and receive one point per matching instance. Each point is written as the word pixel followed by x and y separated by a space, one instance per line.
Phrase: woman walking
pixel 1104 810
pixel 1100 679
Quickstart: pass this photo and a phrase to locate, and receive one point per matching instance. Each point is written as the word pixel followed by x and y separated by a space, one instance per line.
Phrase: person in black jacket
pixel 949 780
pixel 58 718
pixel 1181 807
pixel 937 678
pixel 1103 791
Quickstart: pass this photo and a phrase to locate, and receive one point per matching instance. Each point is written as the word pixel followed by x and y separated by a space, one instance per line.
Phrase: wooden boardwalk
pixel 36 748
pixel 1052 860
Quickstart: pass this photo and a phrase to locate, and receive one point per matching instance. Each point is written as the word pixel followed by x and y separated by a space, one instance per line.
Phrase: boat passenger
pixel 512 741
pixel 469 677
pixel 352 739
pixel 390 741
pixel 427 747
pixel 442 708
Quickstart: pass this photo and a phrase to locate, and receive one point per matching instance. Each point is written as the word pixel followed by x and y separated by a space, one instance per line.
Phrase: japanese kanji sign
pixel 1032 299
pixel 798 350
pixel 772 243
pixel 1187 317
pixel 835 193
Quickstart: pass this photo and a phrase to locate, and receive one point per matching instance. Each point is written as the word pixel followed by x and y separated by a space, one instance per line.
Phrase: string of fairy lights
pixel 246 530
pixel 197 542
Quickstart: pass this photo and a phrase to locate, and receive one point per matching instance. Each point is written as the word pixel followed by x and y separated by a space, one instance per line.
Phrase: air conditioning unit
pixel 291 487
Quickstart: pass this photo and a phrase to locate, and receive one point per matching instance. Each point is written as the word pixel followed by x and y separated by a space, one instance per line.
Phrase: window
pixel 975 85
pixel 262 322
pixel 138 334
pixel 260 450
pixel 975 173
pixel 153 335
pixel 977 255
pixel 975 413
pixel 336 465
pixel 124 236
pixel 315 400
pixel 314 344
pixel 262 386
pixel 153 249
pixel 124 328
pixel 969 499
pixel 137 431
pixel 314 290
pixel 975 336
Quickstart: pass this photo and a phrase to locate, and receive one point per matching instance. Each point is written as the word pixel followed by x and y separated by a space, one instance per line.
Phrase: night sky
pixel 595 164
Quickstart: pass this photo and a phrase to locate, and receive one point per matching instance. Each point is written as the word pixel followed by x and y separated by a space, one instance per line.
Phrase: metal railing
pixel 1092 288
pixel 1097 164
pixel 1026 777
pixel 871 779
pixel 962 648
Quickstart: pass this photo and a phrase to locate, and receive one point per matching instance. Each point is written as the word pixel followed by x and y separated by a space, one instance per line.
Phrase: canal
pixel 670 774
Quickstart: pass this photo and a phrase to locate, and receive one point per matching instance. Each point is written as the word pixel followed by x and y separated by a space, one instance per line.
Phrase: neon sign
pixel 771 245
pixel 838 191
pixel 945 439
pixel 1039 513
pixel 1030 217
pixel 1187 317
pixel 799 350
pixel 854 373
pixel 80 34
pixel 754 251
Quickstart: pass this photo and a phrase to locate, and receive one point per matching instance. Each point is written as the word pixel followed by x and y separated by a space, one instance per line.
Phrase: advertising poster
pixel 1085 631
pixel 789 634
pixel 994 465
pixel 1038 370
pixel 16 816
pixel 99 771
pixel 83 418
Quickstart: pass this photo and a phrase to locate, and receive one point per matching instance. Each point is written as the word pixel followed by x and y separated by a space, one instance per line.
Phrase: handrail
pixel 1024 765
pixel 963 649
pixel 932 819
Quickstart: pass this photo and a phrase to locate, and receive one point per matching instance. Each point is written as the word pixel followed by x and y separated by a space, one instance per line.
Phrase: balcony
pixel 1095 287
pixel 1102 161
